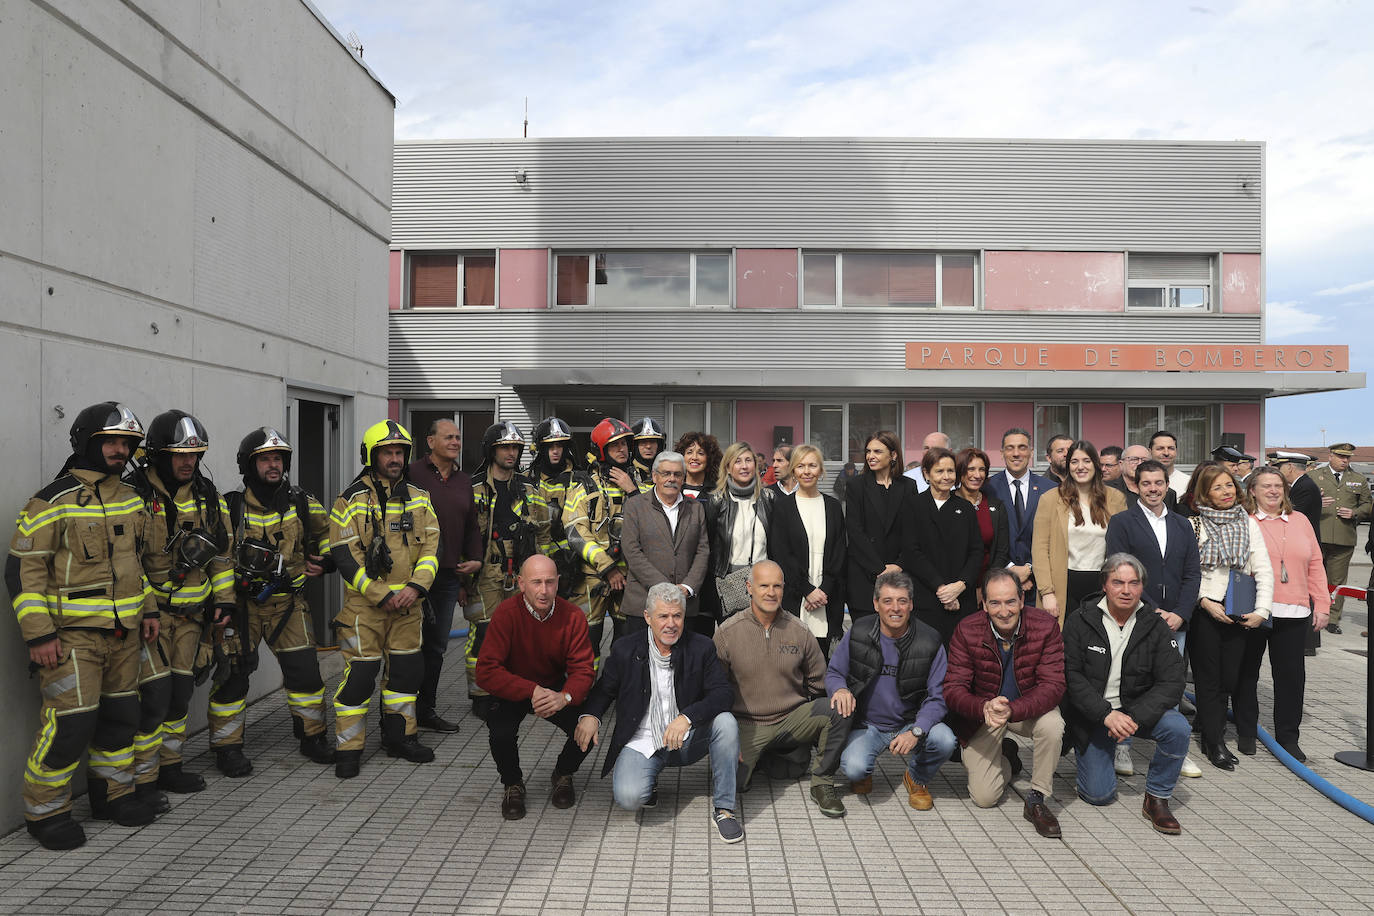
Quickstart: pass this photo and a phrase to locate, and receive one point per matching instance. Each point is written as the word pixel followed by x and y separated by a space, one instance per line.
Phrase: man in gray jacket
pixel 663 539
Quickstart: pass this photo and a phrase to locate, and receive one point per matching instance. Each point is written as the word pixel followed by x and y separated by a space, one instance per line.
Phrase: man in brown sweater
pixel 777 670
pixel 536 658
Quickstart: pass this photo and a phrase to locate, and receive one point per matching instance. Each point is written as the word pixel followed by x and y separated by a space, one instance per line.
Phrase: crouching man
pixel 672 706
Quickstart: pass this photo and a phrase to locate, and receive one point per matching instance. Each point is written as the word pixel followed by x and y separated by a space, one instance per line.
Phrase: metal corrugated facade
pixel 704 192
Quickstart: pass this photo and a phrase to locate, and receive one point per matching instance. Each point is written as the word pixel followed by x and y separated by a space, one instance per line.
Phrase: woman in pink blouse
pixel 1300 596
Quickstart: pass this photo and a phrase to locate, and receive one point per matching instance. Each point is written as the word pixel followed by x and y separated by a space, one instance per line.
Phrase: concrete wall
pixel 196 211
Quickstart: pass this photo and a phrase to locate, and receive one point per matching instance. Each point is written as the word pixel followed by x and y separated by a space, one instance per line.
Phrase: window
pixel 1192 424
pixel 841 431
pixel 714 417
pixel 960 423
pixel 1156 281
pixel 582 415
pixel 438 280
pixel 642 279
pixel 1053 420
pixel 898 279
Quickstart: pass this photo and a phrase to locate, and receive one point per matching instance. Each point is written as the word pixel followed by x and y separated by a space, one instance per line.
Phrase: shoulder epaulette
pixel 63 484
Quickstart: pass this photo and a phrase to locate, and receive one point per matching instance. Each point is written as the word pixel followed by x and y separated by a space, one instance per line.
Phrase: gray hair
pixel 896 579
pixel 665 593
pixel 1122 558
pixel 668 455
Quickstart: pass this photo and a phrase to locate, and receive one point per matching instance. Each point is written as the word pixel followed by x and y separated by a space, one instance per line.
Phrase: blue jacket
pixel 1172 581
pixel 1020 531
pixel 700 685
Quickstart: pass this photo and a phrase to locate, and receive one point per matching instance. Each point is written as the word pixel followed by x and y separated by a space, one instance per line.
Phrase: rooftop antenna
pixel 527 117
pixel 355 44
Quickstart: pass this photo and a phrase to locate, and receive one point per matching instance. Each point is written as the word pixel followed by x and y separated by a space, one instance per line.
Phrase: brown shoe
pixel 917 795
pixel 513 802
pixel 563 794
pixel 863 786
pixel 1156 811
pixel 1046 824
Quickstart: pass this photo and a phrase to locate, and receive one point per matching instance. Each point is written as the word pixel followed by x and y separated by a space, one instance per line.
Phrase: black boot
pixel 231 761
pixel 347 764
pixel 150 795
pixel 174 779
pixel 127 810
pixel 317 748
pixel 398 744
pixel 58 831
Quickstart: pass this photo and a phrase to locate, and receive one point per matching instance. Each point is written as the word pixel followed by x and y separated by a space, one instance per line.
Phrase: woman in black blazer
pixel 806 538
pixel 994 530
pixel 877 517
pixel 946 551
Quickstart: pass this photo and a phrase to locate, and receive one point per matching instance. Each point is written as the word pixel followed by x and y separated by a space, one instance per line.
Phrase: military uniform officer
pixel 78 588
pixel 1345 503
pixel 384 539
pixel 649 440
pixel 592 518
pixel 512 519
pixel 188 563
pixel 281 538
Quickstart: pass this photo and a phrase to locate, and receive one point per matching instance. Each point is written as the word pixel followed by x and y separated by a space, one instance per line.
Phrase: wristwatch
pixel 568 697
pixel 918 732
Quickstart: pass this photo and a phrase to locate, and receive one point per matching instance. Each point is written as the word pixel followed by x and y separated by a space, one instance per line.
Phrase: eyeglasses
pixel 1132 460
pixel 671 474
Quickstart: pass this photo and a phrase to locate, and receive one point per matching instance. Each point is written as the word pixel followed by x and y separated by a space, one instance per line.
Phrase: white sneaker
pixel 1190 768
pixel 1124 766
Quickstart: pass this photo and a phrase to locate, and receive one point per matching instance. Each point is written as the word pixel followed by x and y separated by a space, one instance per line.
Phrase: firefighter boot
pixel 399 744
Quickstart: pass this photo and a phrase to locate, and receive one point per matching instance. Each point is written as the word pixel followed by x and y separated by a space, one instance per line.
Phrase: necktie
pixel 1020 503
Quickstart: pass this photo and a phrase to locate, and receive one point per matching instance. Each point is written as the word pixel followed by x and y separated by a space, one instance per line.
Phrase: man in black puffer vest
pixel 886 679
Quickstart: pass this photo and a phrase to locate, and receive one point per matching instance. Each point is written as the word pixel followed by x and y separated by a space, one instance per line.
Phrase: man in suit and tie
pixel 1019 490
pixel 663 539
pixel 1165 543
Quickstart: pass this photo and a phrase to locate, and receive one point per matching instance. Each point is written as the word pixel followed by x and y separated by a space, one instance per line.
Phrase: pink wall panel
pixel 997 419
pixel 919 419
pixel 524 278
pixel 1104 424
pixel 1061 281
pixel 754 422
pixel 1240 284
pixel 1244 418
pixel 393 410
pixel 766 278
pixel 393 290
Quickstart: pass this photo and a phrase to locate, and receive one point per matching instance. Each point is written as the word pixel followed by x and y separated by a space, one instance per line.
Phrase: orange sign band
pixel 1059 357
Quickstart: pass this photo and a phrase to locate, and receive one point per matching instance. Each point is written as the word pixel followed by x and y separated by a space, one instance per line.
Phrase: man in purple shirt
pixel 886 683
pixel 460 552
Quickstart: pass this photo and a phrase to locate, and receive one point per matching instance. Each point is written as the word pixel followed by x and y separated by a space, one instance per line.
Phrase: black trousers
pixel 1217 651
pixel 1289 668
pixel 1081 583
pixel 503 735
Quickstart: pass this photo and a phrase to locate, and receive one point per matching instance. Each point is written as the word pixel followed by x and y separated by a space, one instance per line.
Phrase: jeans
pixel 443 598
pixel 1096 764
pixel 634 777
pixel 866 742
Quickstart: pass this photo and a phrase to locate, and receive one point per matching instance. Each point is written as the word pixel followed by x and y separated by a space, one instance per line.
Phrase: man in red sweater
pixel 536 658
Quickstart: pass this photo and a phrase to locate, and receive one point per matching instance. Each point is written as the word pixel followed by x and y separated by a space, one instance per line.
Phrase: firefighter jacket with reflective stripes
pixel 281 527
pixel 527 506
pixel 161 561
pixel 406 522
pixel 591 516
pixel 74 561
pixel 554 490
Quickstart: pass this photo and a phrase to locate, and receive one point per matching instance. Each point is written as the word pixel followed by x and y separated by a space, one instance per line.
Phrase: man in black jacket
pixel 672 704
pixel 1125 677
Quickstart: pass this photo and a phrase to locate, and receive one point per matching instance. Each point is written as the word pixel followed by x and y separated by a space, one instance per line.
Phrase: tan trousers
pixel 989 773
pixel 1336 558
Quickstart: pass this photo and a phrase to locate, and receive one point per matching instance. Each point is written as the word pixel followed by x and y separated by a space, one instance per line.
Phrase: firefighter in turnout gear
pixel 592 518
pixel 650 439
pixel 513 521
pixel 191 570
pixel 555 472
pixel 281 538
pixel 78 588
pixel 384 539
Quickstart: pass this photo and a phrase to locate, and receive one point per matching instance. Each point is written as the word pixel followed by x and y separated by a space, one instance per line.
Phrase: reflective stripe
pixel 43 809
pixel 227 730
pixel 28 525
pixel 60 686
pixel 233 707
pixel 296 700
pixel 430 564
pixel 26 603
pixel 350 732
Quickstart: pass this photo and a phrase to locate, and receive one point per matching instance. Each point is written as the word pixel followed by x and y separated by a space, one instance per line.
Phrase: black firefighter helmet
pixel 260 441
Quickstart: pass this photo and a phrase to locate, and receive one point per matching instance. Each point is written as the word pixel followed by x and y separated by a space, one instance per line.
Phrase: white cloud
pixel 1348 288
pixel 1289 319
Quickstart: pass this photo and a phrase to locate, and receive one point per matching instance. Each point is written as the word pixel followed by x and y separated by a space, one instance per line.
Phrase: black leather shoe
pixel 347 764
pixel 513 802
pixel 564 795
pixel 1218 756
pixel 231 761
pixel 436 723
pixel 1294 751
pixel 410 748
pixel 1246 745
pixel 1334 629
pixel 174 779
pixel 57 832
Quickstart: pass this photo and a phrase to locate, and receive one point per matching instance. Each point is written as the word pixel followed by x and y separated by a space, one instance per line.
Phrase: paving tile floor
pixel 292 839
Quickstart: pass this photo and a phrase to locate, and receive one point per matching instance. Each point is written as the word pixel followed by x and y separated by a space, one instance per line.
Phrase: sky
pixel 1297 76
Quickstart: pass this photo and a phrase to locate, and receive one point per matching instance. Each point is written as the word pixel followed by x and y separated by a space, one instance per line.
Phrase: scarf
pixel 660 717
pixel 741 492
pixel 1228 537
